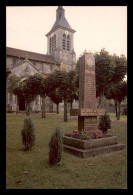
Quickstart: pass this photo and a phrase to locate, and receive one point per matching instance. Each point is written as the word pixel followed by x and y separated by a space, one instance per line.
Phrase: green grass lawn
pixel 31 168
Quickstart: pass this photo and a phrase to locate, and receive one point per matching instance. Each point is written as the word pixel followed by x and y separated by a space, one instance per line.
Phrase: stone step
pixel 86 153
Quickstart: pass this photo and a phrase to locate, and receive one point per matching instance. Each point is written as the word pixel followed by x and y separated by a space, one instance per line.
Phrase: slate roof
pixel 31 55
pixel 60 21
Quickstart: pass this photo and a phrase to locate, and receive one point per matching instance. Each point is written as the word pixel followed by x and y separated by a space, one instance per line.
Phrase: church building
pixel 60 55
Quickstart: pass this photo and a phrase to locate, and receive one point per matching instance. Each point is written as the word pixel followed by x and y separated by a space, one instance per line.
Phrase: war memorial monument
pixel 87 116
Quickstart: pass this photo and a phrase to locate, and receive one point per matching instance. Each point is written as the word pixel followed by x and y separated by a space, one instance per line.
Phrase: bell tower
pixel 60 41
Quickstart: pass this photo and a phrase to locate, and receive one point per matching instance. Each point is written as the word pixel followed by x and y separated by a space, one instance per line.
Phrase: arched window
pixel 68 43
pixel 54 42
pixel 64 42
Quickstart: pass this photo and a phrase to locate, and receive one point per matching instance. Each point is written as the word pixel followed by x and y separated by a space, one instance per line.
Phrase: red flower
pixel 97 134
pixel 75 132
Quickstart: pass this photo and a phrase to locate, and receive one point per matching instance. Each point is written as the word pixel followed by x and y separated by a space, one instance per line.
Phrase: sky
pixel 96 27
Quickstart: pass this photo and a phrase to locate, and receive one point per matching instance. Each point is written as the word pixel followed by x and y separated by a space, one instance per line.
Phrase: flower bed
pixel 84 136
pixel 85 146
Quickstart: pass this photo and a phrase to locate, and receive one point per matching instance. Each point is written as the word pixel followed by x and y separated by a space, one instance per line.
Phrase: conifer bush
pixel 104 123
pixel 55 147
pixel 27 133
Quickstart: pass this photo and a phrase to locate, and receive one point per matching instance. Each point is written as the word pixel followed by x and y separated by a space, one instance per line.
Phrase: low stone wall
pixel 92 147
pixel 92 143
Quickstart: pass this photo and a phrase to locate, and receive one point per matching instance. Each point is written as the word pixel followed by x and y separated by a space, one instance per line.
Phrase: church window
pixel 64 42
pixel 54 42
pixel 68 43
pixel 50 46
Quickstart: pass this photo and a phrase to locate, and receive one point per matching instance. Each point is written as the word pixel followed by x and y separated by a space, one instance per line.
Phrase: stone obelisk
pixel 87 112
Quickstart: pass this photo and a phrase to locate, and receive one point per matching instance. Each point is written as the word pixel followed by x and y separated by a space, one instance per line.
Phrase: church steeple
pixel 59 13
pixel 60 21
pixel 61 40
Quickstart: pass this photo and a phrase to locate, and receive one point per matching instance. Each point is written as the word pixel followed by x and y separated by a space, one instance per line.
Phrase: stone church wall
pixel 9 62
pixel 38 65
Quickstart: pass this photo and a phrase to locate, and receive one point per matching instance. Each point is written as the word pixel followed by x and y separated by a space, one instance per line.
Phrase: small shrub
pixel 27 133
pixel 109 133
pixel 104 123
pixel 124 111
pixel 56 147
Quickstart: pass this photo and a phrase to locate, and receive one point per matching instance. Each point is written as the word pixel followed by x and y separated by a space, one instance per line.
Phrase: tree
pixel 104 123
pixel 64 81
pixel 55 147
pixel 73 88
pixel 29 89
pixel 56 98
pixel 46 86
pixel 29 92
pixel 110 69
pixel 104 72
pixel 37 84
pixel 117 92
pixel 120 68
pixel 27 133
pixel 13 81
pixel 60 81
pixel 63 89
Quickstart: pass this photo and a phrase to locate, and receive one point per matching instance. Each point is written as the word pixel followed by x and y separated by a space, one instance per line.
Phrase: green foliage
pixel 27 133
pixel 110 69
pixel 34 83
pixel 124 111
pixel 67 90
pixel 72 86
pixel 104 71
pixel 104 123
pixel 55 96
pixel 117 91
pixel 46 86
pixel 109 133
pixel 26 89
pixel 13 82
pixel 29 89
pixel 119 65
pixel 100 171
pixel 18 91
pixel 55 147
pixel 64 81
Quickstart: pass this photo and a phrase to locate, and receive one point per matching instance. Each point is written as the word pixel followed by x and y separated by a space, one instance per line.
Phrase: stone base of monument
pixel 92 147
